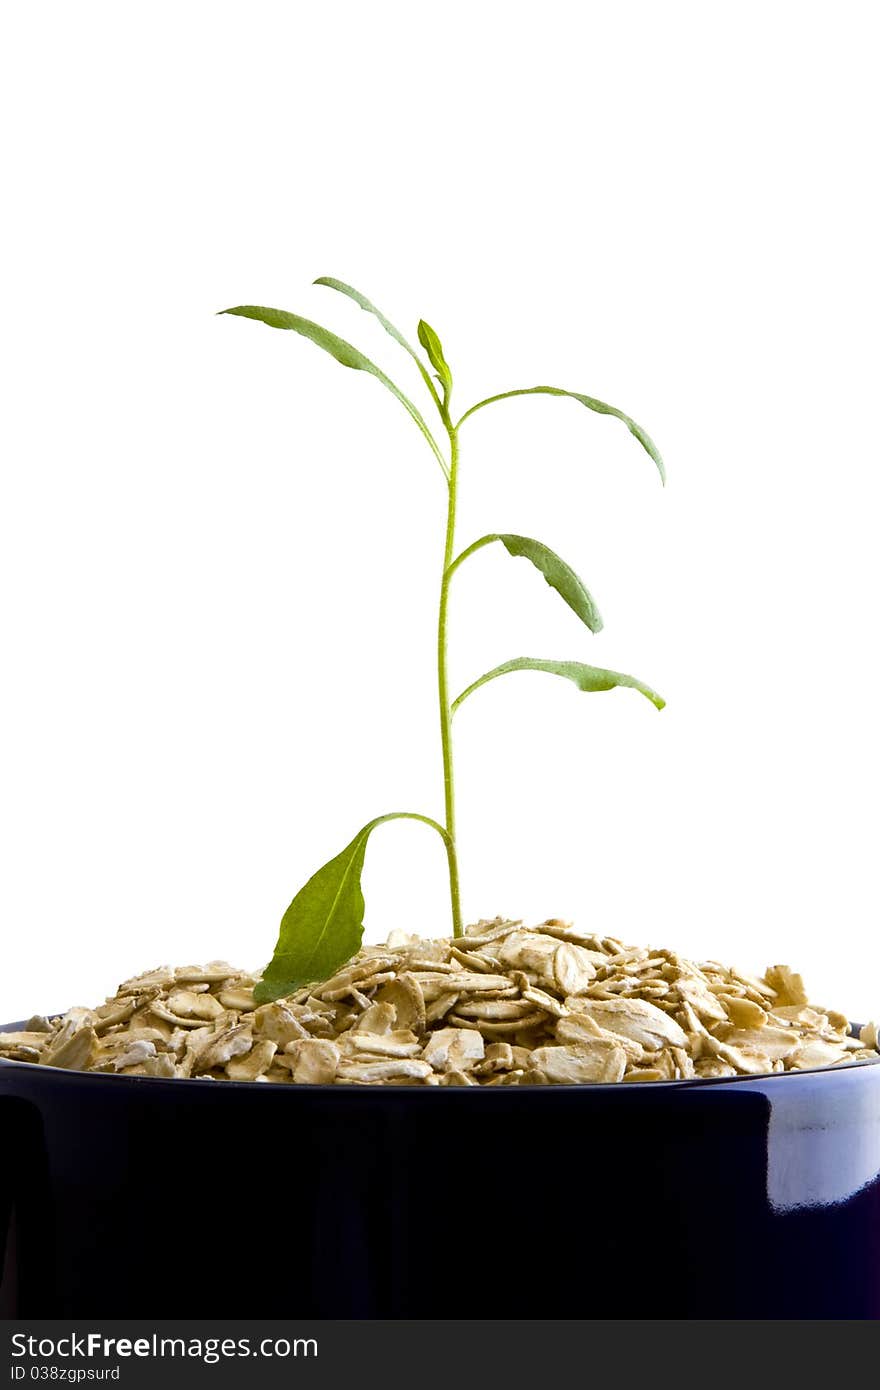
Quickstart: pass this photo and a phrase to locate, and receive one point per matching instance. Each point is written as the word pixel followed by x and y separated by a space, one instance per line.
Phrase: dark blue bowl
pixel 739 1198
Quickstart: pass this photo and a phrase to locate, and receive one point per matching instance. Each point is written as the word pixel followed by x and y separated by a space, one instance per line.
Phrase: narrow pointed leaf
pixel 323 926
pixel 369 307
pixel 558 575
pixel 434 348
pixel 591 403
pixel 588 678
pixel 342 351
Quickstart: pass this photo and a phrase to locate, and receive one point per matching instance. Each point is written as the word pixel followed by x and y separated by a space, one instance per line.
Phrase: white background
pixel 220 552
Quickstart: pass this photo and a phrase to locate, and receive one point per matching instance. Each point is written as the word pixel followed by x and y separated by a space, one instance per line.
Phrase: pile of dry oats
pixel 502 1006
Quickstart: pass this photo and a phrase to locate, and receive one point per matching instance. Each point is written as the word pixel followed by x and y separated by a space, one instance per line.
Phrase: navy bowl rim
pixel 600 1088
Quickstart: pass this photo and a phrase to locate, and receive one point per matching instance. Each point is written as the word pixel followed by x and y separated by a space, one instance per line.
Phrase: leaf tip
pixel 266 993
pixel 655 454
pixel 269 988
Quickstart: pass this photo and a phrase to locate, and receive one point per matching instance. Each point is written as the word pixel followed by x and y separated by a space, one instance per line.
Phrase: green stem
pixel 529 391
pixel 443 686
pixel 410 815
pixel 471 550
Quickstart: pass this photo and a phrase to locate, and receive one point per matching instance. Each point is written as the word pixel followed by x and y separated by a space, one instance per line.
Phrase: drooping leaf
pixel 588 678
pixel 323 926
pixel 342 351
pixel 591 403
pixel 558 575
pixel 369 307
pixel 434 348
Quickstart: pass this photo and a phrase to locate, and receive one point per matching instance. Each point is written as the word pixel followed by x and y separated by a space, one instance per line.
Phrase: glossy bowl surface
pixel 745 1197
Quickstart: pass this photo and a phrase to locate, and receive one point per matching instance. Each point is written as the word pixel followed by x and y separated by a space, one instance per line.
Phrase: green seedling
pixel 323 926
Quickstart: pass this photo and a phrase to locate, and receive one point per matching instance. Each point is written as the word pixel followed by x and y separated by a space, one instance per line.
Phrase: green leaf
pixel 343 352
pixel 558 575
pixel 323 926
pixel 591 403
pixel 433 347
pixel 370 308
pixel 588 678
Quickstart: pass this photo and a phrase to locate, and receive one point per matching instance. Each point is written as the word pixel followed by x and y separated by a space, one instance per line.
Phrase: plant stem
pixel 443 687
pixel 410 815
pixel 471 550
